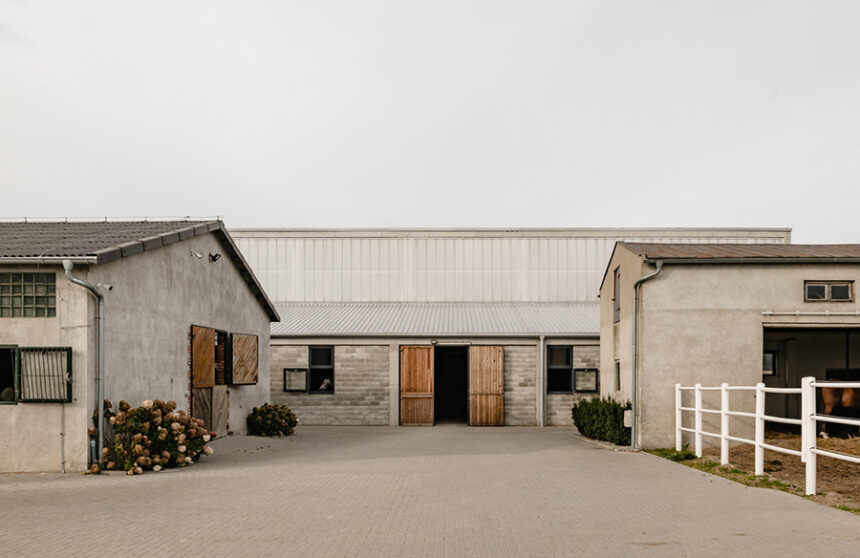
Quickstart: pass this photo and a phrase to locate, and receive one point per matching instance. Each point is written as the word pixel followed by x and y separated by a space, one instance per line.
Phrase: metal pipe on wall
pixel 542 380
pixel 634 428
pixel 100 327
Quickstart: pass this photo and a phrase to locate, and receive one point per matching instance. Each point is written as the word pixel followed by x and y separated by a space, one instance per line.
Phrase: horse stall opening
pixel 452 384
pixel 825 353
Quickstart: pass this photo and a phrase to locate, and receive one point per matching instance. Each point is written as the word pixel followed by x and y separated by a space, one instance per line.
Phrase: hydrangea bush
pixel 153 436
pixel 272 420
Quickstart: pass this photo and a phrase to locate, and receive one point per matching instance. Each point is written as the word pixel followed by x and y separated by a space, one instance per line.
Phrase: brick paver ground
pixel 441 491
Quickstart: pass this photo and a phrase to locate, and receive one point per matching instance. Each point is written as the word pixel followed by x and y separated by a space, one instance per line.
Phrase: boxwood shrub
pixel 602 419
pixel 272 420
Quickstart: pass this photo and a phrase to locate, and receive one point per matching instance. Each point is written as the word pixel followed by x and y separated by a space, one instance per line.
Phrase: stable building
pixel 421 326
pixel 735 313
pixel 123 310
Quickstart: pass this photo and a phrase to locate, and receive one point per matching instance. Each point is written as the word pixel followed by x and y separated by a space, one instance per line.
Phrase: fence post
pixel 808 431
pixel 759 428
pixel 679 419
pixel 724 424
pixel 698 393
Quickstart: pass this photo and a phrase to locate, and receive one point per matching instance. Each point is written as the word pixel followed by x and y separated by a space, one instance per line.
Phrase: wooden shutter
pixel 219 410
pixel 416 385
pixel 245 359
pixel 201 406
pixel 486 385
pixel 202 357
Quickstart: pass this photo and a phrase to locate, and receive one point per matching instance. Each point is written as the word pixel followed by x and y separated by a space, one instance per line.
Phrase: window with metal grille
pixel 36 374
pixel 585 380
pixel 28 295
pixel 295 379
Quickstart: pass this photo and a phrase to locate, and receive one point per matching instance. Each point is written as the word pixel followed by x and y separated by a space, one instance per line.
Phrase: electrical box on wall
pixel 628 418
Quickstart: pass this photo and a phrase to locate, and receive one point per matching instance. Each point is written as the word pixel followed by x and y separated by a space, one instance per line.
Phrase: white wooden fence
pixel 808 422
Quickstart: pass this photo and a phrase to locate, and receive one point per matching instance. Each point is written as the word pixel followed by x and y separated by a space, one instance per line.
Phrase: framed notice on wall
pixel 295 379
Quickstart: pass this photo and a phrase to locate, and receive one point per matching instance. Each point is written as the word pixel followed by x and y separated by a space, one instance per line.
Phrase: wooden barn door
pixel 416 385
pixel 486 385
pixel 202 373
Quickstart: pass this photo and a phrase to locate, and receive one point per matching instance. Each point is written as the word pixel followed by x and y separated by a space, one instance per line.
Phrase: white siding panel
pixel 422 266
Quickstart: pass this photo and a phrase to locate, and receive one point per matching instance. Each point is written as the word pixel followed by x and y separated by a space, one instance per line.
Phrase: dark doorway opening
pixel 7 374
pixel 451 389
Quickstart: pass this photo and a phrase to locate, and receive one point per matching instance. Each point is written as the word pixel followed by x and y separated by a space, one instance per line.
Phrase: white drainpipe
pixel 634 428
pixel 542 381
pixel 100 327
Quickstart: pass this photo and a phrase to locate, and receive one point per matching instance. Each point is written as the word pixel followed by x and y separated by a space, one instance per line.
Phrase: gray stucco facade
pixel 710 323
pixel 156 296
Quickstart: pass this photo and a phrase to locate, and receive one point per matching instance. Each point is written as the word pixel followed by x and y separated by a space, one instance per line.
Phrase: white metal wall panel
pixel 453 266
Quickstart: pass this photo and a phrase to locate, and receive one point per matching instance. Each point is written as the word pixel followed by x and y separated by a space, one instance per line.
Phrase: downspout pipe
pixel 542 380
pixel 68 265
pixel 634 428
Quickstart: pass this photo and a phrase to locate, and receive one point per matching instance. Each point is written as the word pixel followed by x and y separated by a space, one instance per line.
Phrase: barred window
pixel 28 295
pixel 36 374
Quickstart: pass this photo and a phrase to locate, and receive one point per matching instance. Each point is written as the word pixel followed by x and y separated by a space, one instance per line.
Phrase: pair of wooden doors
pixel 486 385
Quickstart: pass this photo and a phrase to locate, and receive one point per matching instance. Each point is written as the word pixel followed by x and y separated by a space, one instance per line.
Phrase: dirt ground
pixel 838 482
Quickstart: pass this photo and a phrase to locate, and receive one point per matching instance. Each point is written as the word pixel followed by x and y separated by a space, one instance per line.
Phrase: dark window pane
pixel 558 380
pixel 768 364
pixel 559 356
pixel 322 381
pixel 840 292
pixel 585 380
pixel 816 291
pixel 321 356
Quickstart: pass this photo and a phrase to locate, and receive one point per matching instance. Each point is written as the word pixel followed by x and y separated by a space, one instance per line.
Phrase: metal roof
pixel 437 319
pixel 744 251
pixel 106 241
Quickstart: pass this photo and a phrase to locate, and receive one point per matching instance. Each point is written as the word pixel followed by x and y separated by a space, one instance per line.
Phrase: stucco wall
pixel 30 433
pixel 361 394
pixel 157 296
pixel 704 323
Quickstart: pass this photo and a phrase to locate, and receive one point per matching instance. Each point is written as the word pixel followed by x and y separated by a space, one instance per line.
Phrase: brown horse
pixel 843 402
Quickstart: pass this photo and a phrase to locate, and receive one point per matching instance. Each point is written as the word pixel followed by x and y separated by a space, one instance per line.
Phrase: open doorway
pixel 451 377
pixel 7 374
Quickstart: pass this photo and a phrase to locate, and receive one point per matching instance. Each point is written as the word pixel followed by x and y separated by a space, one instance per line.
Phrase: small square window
pixel 295 379
pixel 840 291
pixel 816 291
pixel 585 379
pixel 559 356
pixel 23 295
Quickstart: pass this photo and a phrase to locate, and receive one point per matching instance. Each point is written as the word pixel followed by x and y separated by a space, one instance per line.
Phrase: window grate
pixel 45 375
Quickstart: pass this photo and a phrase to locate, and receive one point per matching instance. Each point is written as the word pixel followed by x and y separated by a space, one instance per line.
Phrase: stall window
pixel 559 369
pixel 828 291
pixel 321 369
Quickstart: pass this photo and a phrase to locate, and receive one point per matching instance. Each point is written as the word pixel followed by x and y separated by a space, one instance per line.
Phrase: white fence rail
pixel 808 422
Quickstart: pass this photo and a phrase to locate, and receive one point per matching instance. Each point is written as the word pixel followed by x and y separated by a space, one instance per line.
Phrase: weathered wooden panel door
pixel 486 385
pixel 202 373
pixel 416 385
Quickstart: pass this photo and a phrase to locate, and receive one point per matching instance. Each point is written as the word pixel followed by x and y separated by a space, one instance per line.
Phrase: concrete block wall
pixel 558 405
pixel 520 363
pixel 361 395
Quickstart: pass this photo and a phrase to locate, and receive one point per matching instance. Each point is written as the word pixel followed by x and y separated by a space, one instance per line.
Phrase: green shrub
pixel 152 436
pixel 272 420
pixel 602 419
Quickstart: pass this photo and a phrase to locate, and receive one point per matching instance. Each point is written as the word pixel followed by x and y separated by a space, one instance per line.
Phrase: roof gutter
pixel 48 260
pixel 785 260
pixel 68 265
pixel 634 428
pixel 448 335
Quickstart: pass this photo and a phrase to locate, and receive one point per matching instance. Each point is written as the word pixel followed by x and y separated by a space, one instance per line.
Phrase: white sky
pixel 423 114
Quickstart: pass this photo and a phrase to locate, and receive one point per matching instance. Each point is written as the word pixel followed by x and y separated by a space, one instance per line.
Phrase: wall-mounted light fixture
pixel 214 257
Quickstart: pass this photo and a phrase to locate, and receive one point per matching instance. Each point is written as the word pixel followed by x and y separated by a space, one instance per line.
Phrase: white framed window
pixel 828 291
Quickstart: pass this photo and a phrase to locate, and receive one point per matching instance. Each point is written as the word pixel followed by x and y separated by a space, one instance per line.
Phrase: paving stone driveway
pixel 441 491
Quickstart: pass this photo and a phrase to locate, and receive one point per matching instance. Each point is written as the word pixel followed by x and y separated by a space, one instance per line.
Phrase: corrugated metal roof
pixel 743 251
pixel 358 319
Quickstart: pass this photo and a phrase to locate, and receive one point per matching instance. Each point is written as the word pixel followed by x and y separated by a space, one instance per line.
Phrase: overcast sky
pixel 426 114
